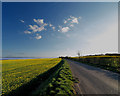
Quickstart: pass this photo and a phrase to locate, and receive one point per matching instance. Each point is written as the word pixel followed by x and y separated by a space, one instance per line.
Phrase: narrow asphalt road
pixel 93 80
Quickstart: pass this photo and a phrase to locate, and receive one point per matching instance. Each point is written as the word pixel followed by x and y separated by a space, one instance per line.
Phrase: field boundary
pixel 107 63
pixel 60 82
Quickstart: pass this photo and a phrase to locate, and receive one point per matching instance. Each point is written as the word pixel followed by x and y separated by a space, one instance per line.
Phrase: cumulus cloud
pixel 63 29
pixel 38 36
pixel 69 23
pixel 41 28
pixel 39 21
pixel 50 25
pixel 40 25
pixel 72 19
pixel 65 21
pixel 34 28
pixel 27 32
pixel 53 28
pixel 45 24
pixel 22 21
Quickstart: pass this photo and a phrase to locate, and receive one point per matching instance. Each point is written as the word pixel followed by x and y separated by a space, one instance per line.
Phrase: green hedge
pixel 109 63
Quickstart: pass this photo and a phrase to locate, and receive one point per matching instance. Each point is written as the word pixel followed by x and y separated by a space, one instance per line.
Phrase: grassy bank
pixel 22 76
pixel 59 83
pixel 111 63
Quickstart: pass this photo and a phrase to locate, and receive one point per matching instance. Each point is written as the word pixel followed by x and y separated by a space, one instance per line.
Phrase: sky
pixel 60 0
pixel 52 29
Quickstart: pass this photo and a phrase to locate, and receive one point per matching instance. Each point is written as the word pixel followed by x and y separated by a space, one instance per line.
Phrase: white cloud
pixel 69 19
pixel 34 28
pixel 71 25
pixel 69 22
pixel 45 24
pixel 65 21
pixel 22 21
pixel 27 32
pixel 50 25
pixel 74 20
pixel 41 26
pixel 38 36
pixel 79 17
pixel 64 29
pixel 39 21
pixel 53 28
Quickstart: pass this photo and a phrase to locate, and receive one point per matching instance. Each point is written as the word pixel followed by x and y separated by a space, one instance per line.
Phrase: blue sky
pixel 55 29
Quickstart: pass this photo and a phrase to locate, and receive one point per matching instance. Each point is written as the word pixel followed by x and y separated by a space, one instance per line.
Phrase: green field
pixel 16 73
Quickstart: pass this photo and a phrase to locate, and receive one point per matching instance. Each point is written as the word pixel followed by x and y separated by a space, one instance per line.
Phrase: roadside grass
pixel 21 76
pixel 111 63
pixel 59 83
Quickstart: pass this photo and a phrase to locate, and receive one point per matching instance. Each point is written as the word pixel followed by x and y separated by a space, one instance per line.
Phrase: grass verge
pixel 59 83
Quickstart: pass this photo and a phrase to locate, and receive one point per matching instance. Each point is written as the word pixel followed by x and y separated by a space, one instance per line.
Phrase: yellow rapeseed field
pixel 18 72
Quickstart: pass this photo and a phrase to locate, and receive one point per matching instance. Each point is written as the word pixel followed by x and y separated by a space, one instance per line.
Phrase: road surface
pixel 93 80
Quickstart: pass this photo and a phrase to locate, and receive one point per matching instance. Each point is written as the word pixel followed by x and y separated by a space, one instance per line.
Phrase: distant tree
pixel 78 54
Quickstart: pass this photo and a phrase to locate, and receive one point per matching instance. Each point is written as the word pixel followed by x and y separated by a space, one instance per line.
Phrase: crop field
pixel 15 73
